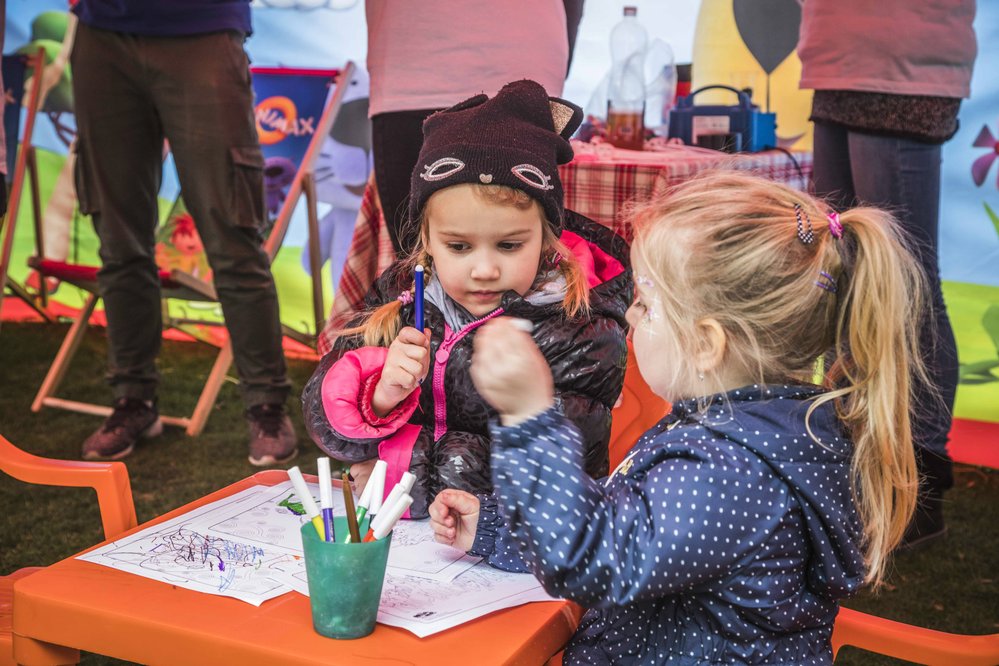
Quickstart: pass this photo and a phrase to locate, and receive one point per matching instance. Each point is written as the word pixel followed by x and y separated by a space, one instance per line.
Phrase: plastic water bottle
pixel 626 94
pixel 660 86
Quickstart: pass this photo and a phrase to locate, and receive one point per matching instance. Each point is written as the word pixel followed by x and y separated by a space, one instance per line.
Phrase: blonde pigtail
pixel 379 327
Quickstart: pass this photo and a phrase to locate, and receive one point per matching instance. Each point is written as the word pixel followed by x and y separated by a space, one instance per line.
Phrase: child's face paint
pixel 646 305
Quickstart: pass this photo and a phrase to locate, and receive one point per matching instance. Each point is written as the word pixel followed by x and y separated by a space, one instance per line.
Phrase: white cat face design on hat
pixel 448 166
pixel 529 174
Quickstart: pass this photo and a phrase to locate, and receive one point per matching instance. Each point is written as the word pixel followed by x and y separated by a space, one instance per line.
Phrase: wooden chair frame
pixel 25 169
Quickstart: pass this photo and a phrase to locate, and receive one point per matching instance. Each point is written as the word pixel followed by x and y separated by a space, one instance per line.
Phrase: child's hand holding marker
pixel 510 371
pixel 408 358
pixel 406 365
pixel 454 516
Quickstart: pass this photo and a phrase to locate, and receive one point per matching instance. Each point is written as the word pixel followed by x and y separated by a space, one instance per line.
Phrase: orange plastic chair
pixel 917 644
pixel 638 410
pixel 114 496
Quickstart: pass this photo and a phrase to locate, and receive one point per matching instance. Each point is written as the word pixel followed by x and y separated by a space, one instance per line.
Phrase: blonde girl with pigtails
pixel 494 240
pixel 785 336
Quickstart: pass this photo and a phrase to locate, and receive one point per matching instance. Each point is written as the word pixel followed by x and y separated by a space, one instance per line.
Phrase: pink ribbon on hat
pixel 835 226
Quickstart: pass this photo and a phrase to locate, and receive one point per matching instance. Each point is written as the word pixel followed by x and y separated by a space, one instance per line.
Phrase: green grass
pixel 951 585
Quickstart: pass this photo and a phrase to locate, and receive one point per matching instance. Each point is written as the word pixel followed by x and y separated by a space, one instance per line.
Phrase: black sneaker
pixel 927 522
pixel 131 419
pixel 272 437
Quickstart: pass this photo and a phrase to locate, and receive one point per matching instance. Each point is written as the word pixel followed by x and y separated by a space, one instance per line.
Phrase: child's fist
pixel 454 516
pixel 510 372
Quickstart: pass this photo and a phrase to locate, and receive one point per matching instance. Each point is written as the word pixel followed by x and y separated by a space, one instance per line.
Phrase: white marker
pixel 392 516
pixel 390 502
pixel 326 496
pixel 377 484
pixel 407 482
pixel 308 503
pixel 302 490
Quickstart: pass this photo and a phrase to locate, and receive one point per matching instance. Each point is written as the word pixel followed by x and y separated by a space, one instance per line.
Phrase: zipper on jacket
pixel 440 363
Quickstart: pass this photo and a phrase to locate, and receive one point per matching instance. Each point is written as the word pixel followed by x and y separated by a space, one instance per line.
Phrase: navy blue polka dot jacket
pixel 726 536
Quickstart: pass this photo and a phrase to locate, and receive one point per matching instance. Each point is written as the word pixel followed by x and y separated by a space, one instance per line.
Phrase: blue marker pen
pixel 418 298
pixel 326 496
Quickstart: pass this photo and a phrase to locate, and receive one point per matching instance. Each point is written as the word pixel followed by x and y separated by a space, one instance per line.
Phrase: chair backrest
pixel 917 644
pixel 109 479
pixel 638 410
pixel 290 154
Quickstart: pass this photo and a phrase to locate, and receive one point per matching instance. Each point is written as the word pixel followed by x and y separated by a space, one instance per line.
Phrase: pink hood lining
pixel 597 265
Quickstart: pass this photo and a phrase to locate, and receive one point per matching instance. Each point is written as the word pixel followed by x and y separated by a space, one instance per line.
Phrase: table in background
pixel 598 183
pixel 82 605
pixel 601 181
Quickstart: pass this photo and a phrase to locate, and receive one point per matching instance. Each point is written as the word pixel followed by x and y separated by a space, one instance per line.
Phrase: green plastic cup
pixel 345 581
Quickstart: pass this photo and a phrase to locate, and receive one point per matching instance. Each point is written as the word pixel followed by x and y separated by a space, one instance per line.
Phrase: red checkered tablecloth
pixel 598 183
pixel 602 180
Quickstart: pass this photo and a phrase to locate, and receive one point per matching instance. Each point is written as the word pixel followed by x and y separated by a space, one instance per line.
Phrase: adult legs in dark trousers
pixel 903 176
pixel 396 138
pixel 131 92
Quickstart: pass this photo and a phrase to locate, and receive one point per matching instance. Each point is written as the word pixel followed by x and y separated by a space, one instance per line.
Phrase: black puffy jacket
pixel 587 358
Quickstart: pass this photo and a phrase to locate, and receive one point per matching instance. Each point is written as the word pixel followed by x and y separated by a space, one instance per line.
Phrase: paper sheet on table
pixel 183 552
pixel 248 546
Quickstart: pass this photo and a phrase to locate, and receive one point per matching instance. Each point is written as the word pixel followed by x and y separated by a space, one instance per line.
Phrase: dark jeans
pixel 903 176
pixel 396 139
pixel 131 92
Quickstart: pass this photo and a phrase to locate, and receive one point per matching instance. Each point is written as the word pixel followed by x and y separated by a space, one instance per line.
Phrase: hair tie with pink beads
pixel 835 226
pixel 405 297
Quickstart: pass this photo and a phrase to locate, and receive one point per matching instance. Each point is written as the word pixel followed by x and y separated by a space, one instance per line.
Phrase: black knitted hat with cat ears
pixel 516 138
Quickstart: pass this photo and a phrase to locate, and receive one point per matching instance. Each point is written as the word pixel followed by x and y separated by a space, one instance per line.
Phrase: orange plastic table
pixel 75 605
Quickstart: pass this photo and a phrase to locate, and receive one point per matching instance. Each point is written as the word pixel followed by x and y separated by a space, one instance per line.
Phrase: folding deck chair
pixel 15 67
pixel 176 283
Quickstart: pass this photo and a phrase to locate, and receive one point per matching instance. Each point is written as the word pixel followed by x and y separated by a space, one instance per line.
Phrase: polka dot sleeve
pixel 669 522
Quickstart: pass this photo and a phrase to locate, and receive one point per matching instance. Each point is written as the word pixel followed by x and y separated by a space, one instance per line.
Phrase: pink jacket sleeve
pixel 346 392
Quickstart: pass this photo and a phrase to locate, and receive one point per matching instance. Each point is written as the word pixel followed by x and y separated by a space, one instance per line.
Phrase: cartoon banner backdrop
pixel 734 42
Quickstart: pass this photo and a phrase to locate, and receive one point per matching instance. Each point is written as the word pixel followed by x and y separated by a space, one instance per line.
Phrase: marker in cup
pixel 387 521
pixel 308 503
pixel 326 496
